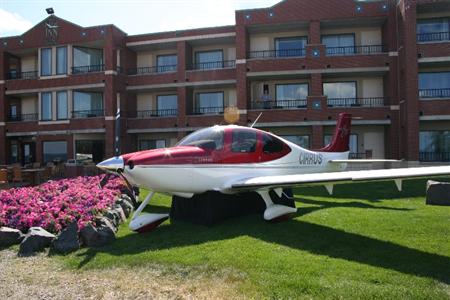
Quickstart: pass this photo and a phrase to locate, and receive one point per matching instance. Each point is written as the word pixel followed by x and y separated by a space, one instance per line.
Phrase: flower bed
pixel 55 204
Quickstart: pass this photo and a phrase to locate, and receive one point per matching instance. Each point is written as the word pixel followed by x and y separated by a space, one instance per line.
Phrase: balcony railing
pixel 357 102
pixel 280 104
pixel 216 110
pixel 277 53
pixel 152 70
pixel 433 36
pixel 434 93
pixel 214 65
pixel 21 75
pixel 88 69
pixel 23 118
pixel 434 156
pixel 354 50
pixel 146 114
pixel 82 114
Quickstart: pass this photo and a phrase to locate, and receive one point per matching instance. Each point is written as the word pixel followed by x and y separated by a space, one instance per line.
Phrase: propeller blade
pixel 117 135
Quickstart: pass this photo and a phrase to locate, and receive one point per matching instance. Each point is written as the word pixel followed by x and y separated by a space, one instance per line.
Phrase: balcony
pixel 433 37
pixel 21 75
pixel 23 118
pixel 146 114
pixel 224 64
pixel 356 50
pixel 357 102
pixel 434 156
pixel 280 104
pixel 88 69
pixel 152 70
pixel 434 93
pixel 277 53
pixel 83 114
pixel 212 110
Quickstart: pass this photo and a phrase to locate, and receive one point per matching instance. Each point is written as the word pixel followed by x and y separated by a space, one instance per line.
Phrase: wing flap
pixel 337 177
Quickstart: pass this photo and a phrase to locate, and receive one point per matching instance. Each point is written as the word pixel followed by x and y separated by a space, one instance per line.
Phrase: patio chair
pixel 17 176
pixel 4 178
pixel 47 174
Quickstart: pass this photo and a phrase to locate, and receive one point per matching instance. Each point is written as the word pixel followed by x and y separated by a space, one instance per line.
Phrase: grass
pixel 367 241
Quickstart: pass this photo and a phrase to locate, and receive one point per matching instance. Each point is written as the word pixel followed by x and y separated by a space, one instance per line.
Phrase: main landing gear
pixel 276 212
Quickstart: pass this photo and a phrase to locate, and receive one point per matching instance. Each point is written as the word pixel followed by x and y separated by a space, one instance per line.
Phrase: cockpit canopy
pixel 211 138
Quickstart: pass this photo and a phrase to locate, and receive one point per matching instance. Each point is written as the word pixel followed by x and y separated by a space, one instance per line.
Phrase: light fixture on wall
pixel 50 10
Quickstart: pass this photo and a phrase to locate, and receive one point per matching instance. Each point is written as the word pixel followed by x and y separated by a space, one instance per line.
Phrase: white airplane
pixel 234 159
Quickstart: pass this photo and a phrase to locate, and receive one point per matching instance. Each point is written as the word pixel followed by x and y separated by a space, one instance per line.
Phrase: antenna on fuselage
pixel 256 121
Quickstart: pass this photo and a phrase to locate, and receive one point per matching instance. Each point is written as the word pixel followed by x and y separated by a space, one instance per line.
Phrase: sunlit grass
pixel 367 241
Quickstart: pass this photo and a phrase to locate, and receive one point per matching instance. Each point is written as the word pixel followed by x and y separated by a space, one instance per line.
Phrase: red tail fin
pixel 341 138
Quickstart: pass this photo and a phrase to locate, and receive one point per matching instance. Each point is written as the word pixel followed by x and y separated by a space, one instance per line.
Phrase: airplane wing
pixel 362 161
pixel 330 178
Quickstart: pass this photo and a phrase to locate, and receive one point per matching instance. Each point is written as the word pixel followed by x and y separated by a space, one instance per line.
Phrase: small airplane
pixel 234 159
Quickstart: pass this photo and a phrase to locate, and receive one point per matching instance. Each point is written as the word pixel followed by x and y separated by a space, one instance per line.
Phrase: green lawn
pixel 367 241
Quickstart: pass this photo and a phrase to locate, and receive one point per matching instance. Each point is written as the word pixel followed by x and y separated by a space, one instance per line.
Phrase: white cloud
pixel 13 23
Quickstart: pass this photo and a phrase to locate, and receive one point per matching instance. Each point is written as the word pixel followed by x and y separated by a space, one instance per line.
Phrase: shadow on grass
pixel 319 205
pixel 296 234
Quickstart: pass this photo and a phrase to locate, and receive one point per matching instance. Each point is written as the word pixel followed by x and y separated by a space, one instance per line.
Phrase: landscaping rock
pixel 10 236
pixel 438 193
pixel 67 241
pixel 123 217
pixel 37 239
pixel 114 217
pixel 100 236
pixel 126 203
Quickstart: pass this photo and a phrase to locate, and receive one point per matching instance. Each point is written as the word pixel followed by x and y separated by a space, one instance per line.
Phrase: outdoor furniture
pixel 36 165
pixel 17 175
pixel 46 173
pixel 4 178
pixel 35 175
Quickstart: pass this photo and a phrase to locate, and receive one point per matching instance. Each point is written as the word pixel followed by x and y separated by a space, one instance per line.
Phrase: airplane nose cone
pixel 112 164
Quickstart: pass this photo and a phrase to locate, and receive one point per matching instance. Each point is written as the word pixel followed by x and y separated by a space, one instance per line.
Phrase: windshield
pixel 209 138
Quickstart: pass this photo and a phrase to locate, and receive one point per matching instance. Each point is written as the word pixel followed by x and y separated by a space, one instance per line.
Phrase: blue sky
pixel 132 16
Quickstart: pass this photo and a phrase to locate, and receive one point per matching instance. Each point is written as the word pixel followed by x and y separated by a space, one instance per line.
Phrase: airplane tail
pixel 341 137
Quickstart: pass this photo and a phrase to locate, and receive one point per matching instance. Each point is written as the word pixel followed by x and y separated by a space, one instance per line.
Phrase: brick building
pixel 299 62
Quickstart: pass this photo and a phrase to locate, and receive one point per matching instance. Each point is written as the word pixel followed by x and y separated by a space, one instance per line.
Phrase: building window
pixel 151 144
pixel 166 63
pixel 291 95
pixel 340 93
pixel 353 143
pixel 291 46
pixel 167 105
pixel 87 60
pixel 89 151
pixel 61 60
pixel 429 30
pixel 300 140
pixel 61 105
pixel 14 157
pixel 209 60
pixel 434 85
pixel 87 104
pixel 54 151
pixel 46 61
pixel 339 44
pixel 434 145
pixel 46 106
pixel 209 103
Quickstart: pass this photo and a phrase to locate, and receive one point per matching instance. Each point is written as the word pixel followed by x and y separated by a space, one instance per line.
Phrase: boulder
pixel 125 202
pixel 123 217
pixel 10 236
pixel 100 236
pixel 113 216
pixel 36 240
pixel 438 193
pixel 67 241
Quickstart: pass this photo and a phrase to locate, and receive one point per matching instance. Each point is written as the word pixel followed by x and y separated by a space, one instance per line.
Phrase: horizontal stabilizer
pixel 361 161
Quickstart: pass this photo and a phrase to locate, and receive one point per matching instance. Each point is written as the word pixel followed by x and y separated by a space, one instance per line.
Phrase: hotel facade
pixel 299 63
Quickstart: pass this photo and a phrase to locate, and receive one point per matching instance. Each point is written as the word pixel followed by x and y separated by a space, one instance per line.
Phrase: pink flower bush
pixel 55 204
